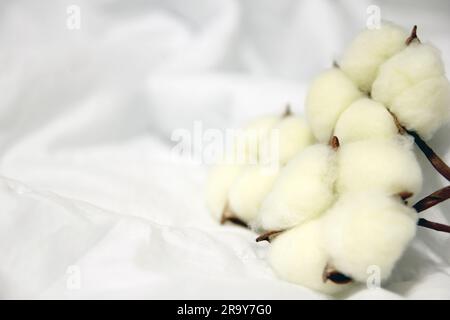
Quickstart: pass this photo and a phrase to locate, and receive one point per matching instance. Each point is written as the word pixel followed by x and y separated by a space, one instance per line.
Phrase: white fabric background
pixel 86 177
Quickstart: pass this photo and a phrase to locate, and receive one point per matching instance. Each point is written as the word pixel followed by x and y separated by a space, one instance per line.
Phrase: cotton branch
pixel 433 199
pixel 430 201
pixel 432 157
pixel 433 225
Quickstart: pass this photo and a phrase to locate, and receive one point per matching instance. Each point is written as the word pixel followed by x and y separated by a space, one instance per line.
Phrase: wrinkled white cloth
pixel 92 202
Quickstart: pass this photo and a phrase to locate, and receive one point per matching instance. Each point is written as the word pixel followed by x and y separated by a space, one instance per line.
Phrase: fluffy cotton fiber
pixel 248 142
pixel 368 229
pixel 388 165
pixel 292 135
pixel 416 63
pixel 245 147
pixel 424 107
pixel 303 190
pixel 249 189
pixel 220 179
pixel 369 50
pixel 365 119
pixel 329 95
pixel 298 256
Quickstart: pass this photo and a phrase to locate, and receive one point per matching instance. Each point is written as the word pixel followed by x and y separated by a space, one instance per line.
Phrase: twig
pixel 433 199
pixel 433 225
pixel 434 159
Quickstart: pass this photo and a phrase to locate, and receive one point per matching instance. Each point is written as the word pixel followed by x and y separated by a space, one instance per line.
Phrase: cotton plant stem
pixel 433 199
pixel 430 201
pixel 434 159
pixel 433 225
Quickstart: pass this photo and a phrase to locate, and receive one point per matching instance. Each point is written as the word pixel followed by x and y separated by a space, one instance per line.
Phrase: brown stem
pixel 268 236
pixel 433 199
pixel 434 159
pixel 229 216
pixel 433 225
pixel 412 36
pixel 330 273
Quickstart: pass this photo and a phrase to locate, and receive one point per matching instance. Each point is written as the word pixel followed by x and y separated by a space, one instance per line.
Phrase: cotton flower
pixel 291 134
pixel 425 107
pixel 245 147
pixel 385 164
pixel 303 190
pixel 219 181
pixel 249 189
pixel 410 66
pixel 413 86
pixel 367 229
pixel 369 50
pixel 365 119
pixel 247 144
pixel 328 96
pixel 240 186
pixel 298 256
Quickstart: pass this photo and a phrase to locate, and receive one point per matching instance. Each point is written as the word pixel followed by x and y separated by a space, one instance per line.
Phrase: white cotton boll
pixel 424 107
pixel 368 229
pixel 365 119
pixel 249 189
pixel 245 148
pixel 369 50
pixel 286 139
pixel 247 144
pixel 298 256
pixel 388 165
pixel 302 191
pixel 220 179
pixel 329 95
pixel 416 63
